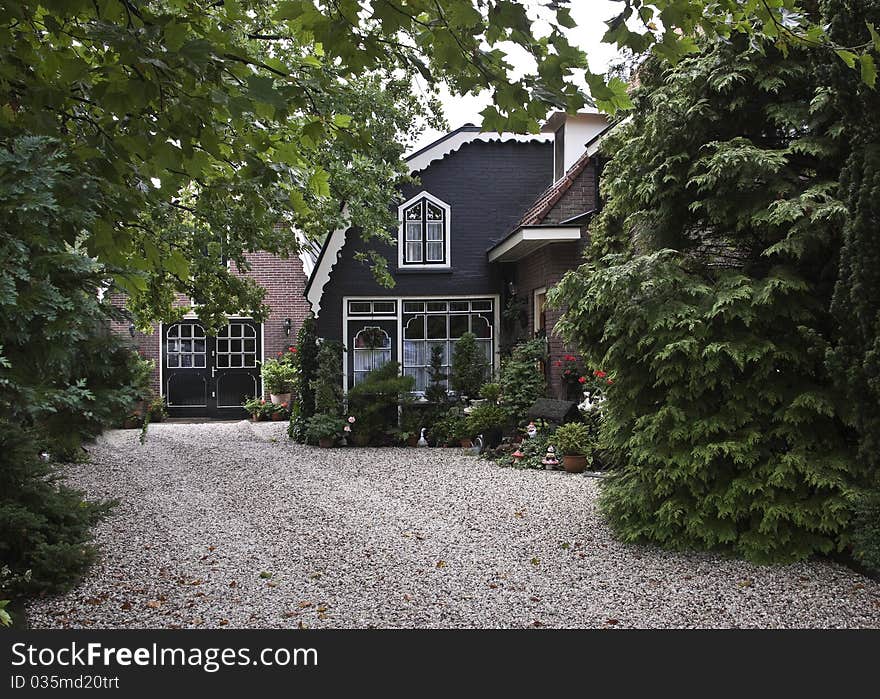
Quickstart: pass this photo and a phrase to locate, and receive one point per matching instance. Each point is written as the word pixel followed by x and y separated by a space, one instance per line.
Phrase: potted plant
pixel 277 411
pixel 488 420
pixel 573 440
pixel 452 428
pixel 279 378
pixel 157 409
pixel 324 429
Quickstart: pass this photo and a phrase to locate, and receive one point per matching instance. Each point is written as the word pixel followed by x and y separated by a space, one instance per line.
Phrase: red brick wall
pixel 284 282
pixel 545 267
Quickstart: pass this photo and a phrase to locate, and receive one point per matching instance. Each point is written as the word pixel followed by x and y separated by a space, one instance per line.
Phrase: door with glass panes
pixel 205 376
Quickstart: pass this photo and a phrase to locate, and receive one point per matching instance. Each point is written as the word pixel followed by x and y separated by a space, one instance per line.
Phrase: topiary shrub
pixel 328 379
pixel 522 380
pixel 375 400
pixel 469 368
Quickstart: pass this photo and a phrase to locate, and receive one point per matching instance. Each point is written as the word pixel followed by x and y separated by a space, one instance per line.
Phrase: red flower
pixel 609 381
pixel 292 349
pixel 279 354
pixel 601 374
pixel 262 401
pixel 558 363
pixel 582 379
pixel 567 372
pixel 284 405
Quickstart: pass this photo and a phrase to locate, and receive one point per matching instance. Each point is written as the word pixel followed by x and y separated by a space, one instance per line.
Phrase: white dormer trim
pixel 447 233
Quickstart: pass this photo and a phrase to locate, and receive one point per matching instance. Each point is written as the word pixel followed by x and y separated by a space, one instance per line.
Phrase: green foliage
pixel 866 530
pixel 491 392
pixel 375 399
pixel 436 391
pixel 713 317
pixel 573 439
pixel 534 450
pixel 328 379
pixel 522 381
pixel 307 367
pixel 469 368
pixel 44 525
pixel 487 418
pixel 324 426
pixel 450 427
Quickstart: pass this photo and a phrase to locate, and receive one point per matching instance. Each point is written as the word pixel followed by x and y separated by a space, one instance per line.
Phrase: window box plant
pixel 324 429
pixel 574 441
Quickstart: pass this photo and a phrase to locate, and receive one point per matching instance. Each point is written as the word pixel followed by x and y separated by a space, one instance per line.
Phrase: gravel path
pixel 228 524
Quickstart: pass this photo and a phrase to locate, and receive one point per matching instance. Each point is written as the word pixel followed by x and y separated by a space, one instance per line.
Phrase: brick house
pixel 201 376
pixel 491 217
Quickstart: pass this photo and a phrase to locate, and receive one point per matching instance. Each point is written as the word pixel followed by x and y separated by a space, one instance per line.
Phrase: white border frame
pixel 398 319
pixel 401 224
pixel 535 294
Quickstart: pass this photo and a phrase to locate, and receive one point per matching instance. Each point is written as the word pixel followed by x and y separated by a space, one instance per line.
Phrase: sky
pixel 590 16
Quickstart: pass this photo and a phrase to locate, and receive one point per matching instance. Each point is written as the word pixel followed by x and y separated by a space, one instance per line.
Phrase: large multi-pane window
pixel 428 324
pixel 371 349
pixel 425 231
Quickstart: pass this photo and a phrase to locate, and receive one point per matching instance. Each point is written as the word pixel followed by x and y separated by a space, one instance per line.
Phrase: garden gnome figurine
pixel 531 430
pixel 550 461
pixel 422 441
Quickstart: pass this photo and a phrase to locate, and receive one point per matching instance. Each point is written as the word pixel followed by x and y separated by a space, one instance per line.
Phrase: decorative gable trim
pixel 328 257
pixel 466 134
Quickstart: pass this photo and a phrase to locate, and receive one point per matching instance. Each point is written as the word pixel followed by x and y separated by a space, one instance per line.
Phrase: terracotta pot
pixel 412 442
pixel 279 398
pixel 465 443
pixel 277 416
pixel 131 424
pixel 574 464
pixel 325 442
pixel 256 417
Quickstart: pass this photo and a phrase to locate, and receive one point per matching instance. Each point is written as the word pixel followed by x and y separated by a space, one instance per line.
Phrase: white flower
pixel 347 428
pixel 351 419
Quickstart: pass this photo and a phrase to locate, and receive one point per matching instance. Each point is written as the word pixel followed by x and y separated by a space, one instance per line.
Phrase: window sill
pixel 423 270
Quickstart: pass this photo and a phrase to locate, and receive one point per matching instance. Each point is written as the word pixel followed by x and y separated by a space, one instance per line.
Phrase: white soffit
pixel 526 240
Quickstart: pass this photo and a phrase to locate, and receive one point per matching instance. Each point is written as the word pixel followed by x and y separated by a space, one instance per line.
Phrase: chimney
pixel 571 133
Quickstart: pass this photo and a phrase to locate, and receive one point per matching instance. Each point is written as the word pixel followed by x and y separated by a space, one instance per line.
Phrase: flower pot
pixel 279 398
pixel 466 443
pixel 277 417
pixel 325 442
pixel 574 463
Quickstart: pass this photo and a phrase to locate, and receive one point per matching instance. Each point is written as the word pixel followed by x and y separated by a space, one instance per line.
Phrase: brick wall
pixel 546 266
pixel 284 282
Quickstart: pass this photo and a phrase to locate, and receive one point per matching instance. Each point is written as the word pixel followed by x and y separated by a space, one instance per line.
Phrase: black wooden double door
pixel 207 376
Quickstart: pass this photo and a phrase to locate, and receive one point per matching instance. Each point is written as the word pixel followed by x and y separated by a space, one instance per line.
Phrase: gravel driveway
pixel 228 524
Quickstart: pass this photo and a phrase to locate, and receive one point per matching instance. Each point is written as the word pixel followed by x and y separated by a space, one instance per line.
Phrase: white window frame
pixel 447 234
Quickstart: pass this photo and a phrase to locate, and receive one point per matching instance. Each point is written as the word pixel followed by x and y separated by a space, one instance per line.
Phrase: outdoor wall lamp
pixel 288 325
pixel 131 329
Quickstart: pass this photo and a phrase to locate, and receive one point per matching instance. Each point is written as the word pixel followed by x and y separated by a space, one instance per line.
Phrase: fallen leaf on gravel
pixel 304 604
pixel 287 615
pixel 859 586
pixel 125 605
pixel 565 545
pixel 535 599
pixel 535 561
pixel 154 604
pixel 212 548
pixel 611 622
pixel 748 582
pixel 519 514
pixel 233 583
pixel 537 623
pixel 314 576
pixel 493 586
pixel 408 597
pixel 94 600
pixel 441 564
pixel 198 581
pixel 271 583
pixel 302 626
pixel 197 621
pixel 223 622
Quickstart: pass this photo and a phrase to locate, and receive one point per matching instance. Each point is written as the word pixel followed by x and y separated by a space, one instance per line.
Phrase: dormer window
pixel 424 232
